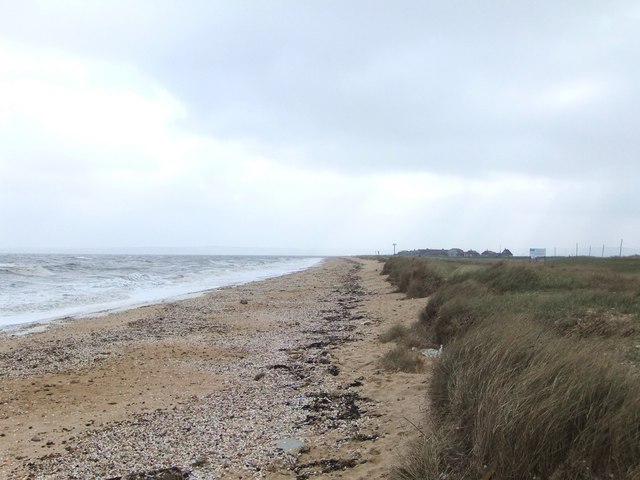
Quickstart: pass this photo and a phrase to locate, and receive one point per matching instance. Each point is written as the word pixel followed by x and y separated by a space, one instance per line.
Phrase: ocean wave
pixel 46 286
pixel 26 270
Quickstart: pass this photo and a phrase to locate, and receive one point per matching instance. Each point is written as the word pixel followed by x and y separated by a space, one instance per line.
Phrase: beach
pixel 277 378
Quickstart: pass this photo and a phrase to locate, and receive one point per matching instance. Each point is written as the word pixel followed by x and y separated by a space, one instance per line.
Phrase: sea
pixel 44 287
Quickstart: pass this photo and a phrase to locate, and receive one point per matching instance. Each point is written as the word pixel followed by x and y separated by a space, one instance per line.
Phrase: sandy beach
pixel 272 379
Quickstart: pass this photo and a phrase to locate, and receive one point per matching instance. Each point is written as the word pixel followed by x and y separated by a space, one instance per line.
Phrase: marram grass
pixel 540 373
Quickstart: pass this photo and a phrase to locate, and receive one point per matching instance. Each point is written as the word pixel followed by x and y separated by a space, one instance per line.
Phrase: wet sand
pixel 213 385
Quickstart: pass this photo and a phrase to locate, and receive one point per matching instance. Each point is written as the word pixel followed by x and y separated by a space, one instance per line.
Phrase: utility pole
pixel 621 247
pixel 394 248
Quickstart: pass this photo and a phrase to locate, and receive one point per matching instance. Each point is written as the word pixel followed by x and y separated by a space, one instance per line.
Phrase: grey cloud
pixel 447 87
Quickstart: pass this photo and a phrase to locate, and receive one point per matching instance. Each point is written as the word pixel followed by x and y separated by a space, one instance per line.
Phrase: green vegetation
pixel 415 277
pixel 539 376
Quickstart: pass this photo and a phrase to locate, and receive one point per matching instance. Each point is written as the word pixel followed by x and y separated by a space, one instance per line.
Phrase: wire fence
pixel 584 250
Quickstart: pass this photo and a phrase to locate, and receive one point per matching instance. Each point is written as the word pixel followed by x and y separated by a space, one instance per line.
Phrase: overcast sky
pixel 320 126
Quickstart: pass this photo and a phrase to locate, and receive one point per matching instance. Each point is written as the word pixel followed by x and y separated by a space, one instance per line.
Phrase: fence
pixel 583 250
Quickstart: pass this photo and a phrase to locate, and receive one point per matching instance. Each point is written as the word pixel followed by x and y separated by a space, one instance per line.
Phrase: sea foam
pixel 37 288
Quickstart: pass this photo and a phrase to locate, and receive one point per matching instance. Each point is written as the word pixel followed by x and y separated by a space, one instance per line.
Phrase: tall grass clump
pixel 425 458
pixel 416 335
pixel 393 333
pixel 453 309
pixel 402 359
pixel 413 276
pixel 530 403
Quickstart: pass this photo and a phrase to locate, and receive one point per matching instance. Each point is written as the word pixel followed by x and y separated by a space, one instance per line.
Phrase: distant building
pixel 425 252
pixel 453 253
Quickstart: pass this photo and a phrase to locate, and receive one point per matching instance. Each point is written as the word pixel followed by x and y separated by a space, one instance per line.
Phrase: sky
pixel 319 126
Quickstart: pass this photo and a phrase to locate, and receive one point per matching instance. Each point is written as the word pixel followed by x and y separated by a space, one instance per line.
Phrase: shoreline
pixel 80 312
pixel 212 384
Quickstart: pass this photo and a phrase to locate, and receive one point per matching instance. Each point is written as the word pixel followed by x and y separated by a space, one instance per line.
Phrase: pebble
pixel 288 444
pixel 245 426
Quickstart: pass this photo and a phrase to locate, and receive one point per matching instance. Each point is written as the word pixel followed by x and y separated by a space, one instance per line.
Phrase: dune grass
pixel 540 376
pixel 393 333
pixel 402 359
pixel 415 277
